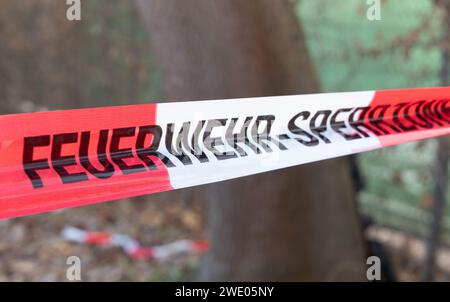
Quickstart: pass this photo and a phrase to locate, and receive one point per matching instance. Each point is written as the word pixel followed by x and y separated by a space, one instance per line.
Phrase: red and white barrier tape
pixel 61 159
pixel 132 247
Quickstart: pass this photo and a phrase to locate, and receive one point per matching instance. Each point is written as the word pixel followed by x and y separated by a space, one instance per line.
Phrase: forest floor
pixel 407 253
pixel 32 249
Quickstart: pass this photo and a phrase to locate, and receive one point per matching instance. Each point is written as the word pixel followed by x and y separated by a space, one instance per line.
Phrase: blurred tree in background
pixel 280 225
pixel 47 61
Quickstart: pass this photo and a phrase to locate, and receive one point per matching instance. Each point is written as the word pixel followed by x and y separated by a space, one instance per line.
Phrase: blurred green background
pixel 401 50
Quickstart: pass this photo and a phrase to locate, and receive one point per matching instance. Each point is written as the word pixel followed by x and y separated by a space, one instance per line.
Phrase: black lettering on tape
pixel 108 167
pixel 119 154
pixel 30 165
pixel 293 128
pixel 59 162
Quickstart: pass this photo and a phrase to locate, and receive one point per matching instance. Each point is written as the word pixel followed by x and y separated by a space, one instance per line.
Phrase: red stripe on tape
pixel 59 133
pixel 414 112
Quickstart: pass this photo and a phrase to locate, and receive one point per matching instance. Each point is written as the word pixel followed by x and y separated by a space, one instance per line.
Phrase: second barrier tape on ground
pixel 60 159
pixel 132 247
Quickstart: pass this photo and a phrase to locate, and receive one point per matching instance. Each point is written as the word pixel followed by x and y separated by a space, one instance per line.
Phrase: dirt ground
pixel 408 254
pixel 32 249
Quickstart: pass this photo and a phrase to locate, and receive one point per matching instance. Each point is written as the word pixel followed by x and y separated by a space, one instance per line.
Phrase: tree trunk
pixel 294 224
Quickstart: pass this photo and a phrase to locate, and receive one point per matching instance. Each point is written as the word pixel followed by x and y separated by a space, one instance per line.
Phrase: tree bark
pixel 293 224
